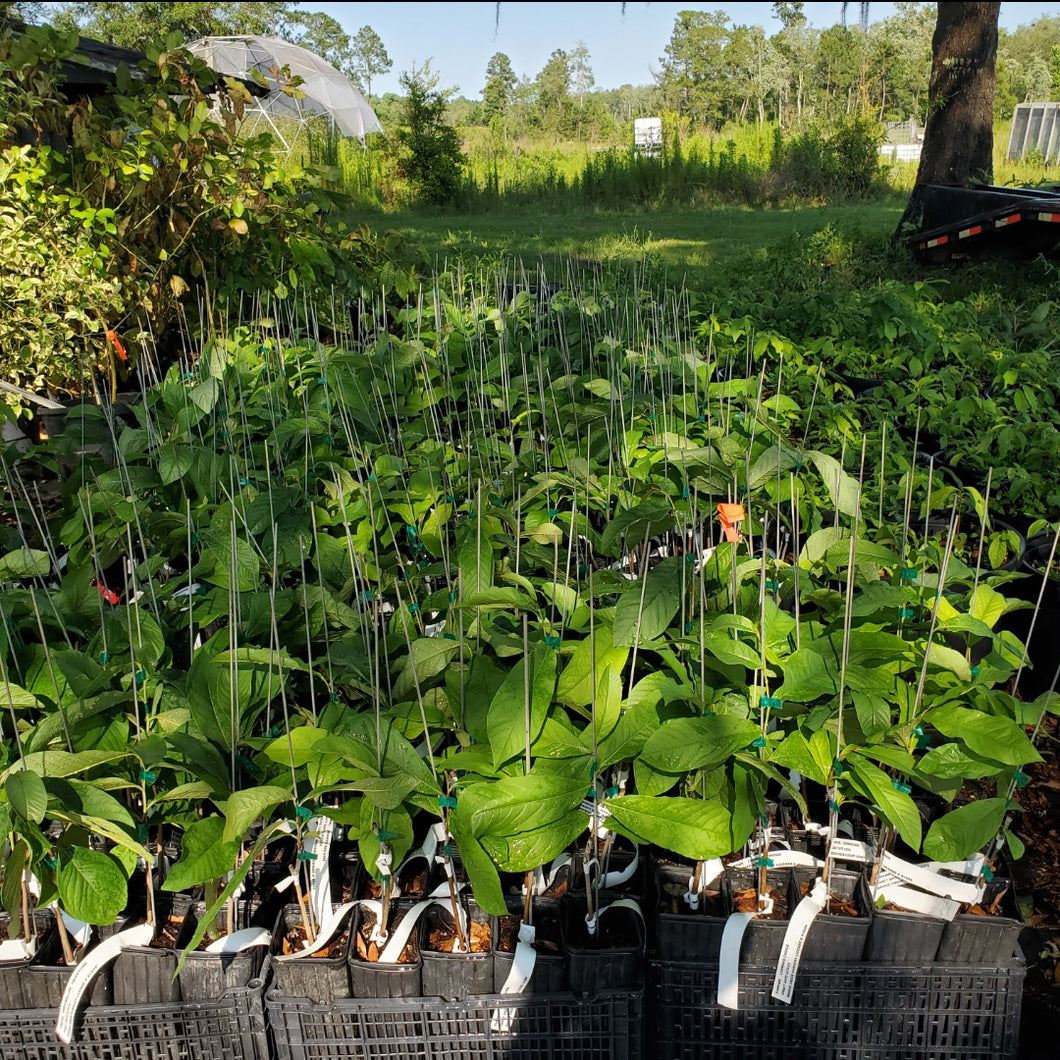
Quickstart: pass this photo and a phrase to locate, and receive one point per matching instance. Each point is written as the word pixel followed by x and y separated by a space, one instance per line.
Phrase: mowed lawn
pixel 680 240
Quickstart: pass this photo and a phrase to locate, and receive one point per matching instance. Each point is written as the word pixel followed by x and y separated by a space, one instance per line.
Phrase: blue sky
pixel 459 38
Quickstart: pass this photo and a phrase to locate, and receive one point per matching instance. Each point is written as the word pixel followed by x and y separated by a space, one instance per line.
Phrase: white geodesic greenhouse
pixel 323 91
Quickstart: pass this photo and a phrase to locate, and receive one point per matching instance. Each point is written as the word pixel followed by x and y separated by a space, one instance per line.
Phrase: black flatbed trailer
pixel 972 224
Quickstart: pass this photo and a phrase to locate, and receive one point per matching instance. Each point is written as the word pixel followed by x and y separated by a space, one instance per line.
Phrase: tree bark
pixel 959 138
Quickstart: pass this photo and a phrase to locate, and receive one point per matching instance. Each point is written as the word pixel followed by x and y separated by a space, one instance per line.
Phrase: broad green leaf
pixel 661 597
pixel 92 886
pixel 842 488
pixel 952 760
pixel 894 806
pixel 639 720
pixel 475 559
pixel 873 713
pixel 238 568
pixel 950 659
pixel 428 658
pixel 631 524
pixel 692 828
pixel 576 681
pixel 482 873
pixel 794 752
pixel 806 677
pixel 27 795
pixel 536 846
pixel 24 563
pixel 65 764
pixel 508 723
pixel 517 804
pixel 682 744
pixel 963 831
pixel 204 855
pixel 174 462
pixel 388 792
pixel 243 808
pixel 818 544
pixel 989 735
pixel 988 605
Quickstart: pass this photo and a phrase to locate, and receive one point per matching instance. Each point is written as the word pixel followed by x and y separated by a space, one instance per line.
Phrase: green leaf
pixel 989 735
pixel 27 795
pixel 85 798
pixel 963 831
pixel 513 805
pixel 537 846
pixel 482 873
pixel 475 560
pixel 428 658
pixel 507 722
pixel 683 744
pixel 24 563
pixel 988 605
pixel 174 462
pixel 842 488
pixel 577 680
pixel 243 808
pixel 205 855
pixel 693 828
pixel 661 599
pixel 951 760
pixel 794 752
pixel 895 807
pixel 92 885
pixel 950 659
pixel 631 523
pixel 806 677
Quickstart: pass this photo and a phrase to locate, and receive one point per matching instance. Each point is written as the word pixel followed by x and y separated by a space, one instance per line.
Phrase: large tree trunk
pixel 959 136
pixel 959 139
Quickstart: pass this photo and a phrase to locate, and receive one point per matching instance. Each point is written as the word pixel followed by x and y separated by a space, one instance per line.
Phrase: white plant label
pixel 729 959
pixel 284 883
pixel 244 939
pixel 89 967
pixel 782 859
pixel 849 850
pixel 319 876
pixel 328 926
pixel 521 972
pixel 17 949
pixel 917 901
pixel 972 867
pixel 922 877
pixel 620 876
pixel 795 939
pixel 81 931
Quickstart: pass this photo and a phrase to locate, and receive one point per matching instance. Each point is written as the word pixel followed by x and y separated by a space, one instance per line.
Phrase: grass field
pixel 685 243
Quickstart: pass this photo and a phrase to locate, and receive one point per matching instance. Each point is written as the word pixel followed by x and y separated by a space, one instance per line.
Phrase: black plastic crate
pixel 840 1012
pixel 231 1027
pixel 516 1027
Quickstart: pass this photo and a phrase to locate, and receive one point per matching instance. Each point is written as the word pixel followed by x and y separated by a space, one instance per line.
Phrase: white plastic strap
pixel 729 959
pixel 89 967
pixel 319 875
pixel 328 926
pixel 794 940
pixel 284 883
pixel 620 876
pixel 917 901
pixel 520 974
pixel 244 939
pixel 922 877
pixel 782 859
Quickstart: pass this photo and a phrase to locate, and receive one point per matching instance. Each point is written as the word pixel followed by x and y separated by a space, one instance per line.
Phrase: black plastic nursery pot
pixel 12 972
pixel 983 938
pixel 146 975
pixel 836 937
pixel 681 932
pixel 205 976
pixel 764 937
pixel 44 979
pixel 610 959
pixel 897 937
pixel 550 965
pixel 455 976
pixel 378 979
pixel 323 976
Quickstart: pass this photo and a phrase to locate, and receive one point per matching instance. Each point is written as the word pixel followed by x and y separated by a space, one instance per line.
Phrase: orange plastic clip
pixel 119 349
pixel 728 516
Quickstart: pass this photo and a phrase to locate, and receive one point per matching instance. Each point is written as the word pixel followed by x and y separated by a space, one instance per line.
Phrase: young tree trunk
pixel 959 139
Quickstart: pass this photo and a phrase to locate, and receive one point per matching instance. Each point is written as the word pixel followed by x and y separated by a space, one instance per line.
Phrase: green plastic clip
pixel 103 657
pixel 909 574
pixel 552 642
pixel 771 703
pixel 553 512
pixel 147 776
pixel 448 636
pixel 837 768
pixel 333 697
pixel 447 802
pixel 906 612
pixel 922 738
pixel 50 863
pixel 833 806
pixel 773 587
pixel 413 608
pixel 760 741
pixel 974 671
pixel 689 626
pixel 905 789
pixel 304 812
pixel 1019 778
pixel 141 676
pixel 684 493
pixel 304 855
pixel 385 837
pixel 987 873
pixel 764 862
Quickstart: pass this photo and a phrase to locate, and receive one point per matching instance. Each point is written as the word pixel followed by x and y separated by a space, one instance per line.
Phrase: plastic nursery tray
pixel 840 1012
pixel 231 1027
pixel 514 1027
